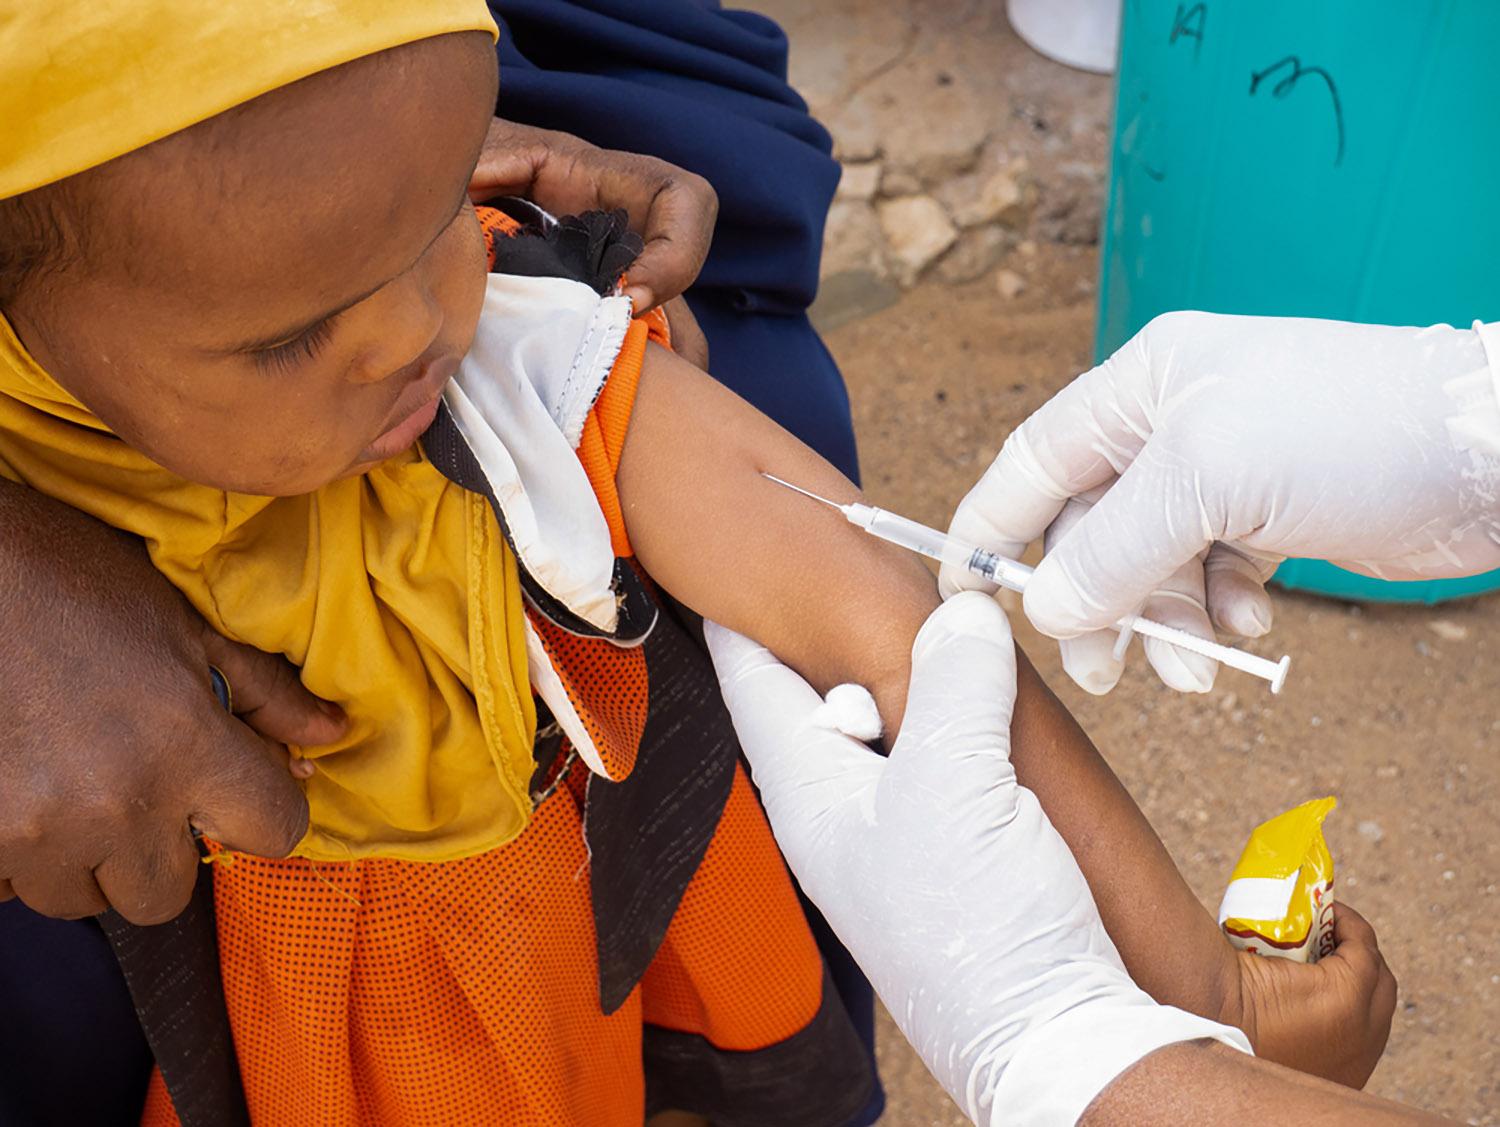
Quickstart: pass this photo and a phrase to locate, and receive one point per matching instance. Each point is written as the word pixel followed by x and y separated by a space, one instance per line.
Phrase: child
pixel 536 887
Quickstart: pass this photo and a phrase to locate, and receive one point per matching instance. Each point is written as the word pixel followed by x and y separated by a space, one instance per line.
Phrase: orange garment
pixel 383 991
pixel 466 992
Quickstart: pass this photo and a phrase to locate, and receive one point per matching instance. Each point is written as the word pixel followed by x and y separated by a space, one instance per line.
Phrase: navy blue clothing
pixel 71 1049
pixel 705 89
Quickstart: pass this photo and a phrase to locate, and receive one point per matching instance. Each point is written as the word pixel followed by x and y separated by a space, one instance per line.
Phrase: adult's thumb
pixel 804 769
pixel 1150 523
pixel 245 798
pixel 267 693
pixel 956 731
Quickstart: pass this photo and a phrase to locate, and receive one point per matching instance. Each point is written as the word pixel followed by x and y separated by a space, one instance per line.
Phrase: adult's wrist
pixel 1059 1068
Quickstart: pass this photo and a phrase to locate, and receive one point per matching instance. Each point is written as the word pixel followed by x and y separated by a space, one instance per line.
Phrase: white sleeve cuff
pixel 1489 337
pixel 1476 427
pixel 1058 1069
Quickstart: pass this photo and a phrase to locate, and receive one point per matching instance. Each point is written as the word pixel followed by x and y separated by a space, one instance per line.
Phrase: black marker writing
pixel 1189 25
pixel 1289 82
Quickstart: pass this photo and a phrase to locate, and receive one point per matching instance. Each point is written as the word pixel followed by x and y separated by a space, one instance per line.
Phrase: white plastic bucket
pixel 1084 34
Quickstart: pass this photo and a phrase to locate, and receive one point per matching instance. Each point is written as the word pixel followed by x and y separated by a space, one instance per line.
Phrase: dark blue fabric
pixel 705 89
pixel 71 1049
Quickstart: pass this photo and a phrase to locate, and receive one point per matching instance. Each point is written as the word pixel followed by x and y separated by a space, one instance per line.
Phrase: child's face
pixel 275 299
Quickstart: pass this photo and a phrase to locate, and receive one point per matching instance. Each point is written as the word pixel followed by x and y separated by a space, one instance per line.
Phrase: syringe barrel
pixel 939 546
pixel 908 534
pixel 999 570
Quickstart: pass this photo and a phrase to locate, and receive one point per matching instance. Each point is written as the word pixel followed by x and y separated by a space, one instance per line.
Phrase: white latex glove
pixel 1218 446
pixel 944 878
pixel 1092 659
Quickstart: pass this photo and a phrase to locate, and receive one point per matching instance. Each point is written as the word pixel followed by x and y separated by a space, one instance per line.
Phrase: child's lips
pixel 403 434
pixel 417 417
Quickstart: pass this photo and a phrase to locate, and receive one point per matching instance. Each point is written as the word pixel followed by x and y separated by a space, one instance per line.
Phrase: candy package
pixel 1280 896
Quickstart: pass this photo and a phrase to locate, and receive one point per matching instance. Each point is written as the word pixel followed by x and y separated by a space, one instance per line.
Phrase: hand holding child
pixel 673 209
pixel 112 744
pixel 944 878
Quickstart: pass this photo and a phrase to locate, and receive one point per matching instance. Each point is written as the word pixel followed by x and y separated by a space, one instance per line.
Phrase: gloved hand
pixel 1217 446
pixel 944 878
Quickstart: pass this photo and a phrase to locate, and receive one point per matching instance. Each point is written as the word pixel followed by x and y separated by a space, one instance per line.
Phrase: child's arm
pixel 838 605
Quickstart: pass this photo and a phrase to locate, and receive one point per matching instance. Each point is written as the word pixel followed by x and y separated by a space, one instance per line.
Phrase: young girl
pixel 255 326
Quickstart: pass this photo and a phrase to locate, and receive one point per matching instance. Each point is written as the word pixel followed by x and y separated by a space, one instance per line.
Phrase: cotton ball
pixel 850 709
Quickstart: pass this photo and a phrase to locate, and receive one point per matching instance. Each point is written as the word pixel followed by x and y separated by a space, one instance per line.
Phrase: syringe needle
pixel 804 492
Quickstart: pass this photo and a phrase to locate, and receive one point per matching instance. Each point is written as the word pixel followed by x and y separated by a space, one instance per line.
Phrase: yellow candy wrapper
pixel 1280 896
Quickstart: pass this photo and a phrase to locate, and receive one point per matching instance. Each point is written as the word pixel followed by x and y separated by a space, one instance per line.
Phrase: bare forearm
pixel 1170 944
pixel 1198 1082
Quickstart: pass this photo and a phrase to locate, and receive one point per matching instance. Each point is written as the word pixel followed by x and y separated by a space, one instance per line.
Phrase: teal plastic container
pixel 1336 158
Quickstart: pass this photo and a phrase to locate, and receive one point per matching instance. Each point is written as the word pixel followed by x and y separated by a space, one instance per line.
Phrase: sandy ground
pixel 1395 710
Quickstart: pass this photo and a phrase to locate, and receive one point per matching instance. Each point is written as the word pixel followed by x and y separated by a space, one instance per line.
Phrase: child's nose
pixel 404 318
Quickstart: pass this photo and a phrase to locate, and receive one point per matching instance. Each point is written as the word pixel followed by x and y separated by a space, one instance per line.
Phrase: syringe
pixel 1014 575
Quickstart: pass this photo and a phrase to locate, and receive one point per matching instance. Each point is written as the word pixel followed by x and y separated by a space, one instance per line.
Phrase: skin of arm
pixel 838 606
pixel 1199 1082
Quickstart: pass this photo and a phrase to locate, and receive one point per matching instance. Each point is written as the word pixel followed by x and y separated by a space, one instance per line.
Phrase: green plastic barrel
pixel 1314 158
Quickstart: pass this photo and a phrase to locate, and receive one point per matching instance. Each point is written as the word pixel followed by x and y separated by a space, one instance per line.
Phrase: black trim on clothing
pixel 172 971
pixel 648 833
pixel 449 452
pixel 595 248
pixel 818 1076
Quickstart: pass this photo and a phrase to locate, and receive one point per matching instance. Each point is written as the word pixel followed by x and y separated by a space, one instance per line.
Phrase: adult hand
pixel 112 743
pixel 673 209
pixel 1218 446
pixel 944 878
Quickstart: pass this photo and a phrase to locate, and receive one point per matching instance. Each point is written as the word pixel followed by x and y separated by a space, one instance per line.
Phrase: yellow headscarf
pixel 394 592
pixel 85 81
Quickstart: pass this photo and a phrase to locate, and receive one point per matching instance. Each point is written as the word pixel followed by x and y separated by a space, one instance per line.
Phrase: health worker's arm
pixel 942 875
pixel 839 606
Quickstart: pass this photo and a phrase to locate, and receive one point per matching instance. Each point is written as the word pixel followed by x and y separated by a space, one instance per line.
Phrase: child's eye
pixel 286 357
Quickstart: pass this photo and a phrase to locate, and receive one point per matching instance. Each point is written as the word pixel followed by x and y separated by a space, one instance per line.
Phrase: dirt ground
pixel 1396 710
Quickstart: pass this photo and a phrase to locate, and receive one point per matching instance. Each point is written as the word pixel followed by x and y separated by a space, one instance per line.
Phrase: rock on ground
pixel 974 255
pixel 853 239
pixel 859 181
pixel 917 230
pixel 1009 284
